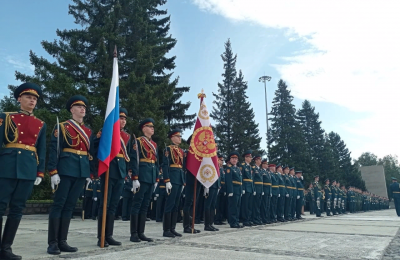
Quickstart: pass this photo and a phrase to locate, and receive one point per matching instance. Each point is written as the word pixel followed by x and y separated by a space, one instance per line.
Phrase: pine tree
pixel 222 112
pixel 286 141
pixel 245 133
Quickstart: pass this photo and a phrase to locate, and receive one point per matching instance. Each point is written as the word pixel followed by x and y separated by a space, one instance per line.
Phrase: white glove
pixel 254 193
pixel 95 198
pixel 287 195
pixel 155 198
pixel 298 197
pixel 157 195
pixel 120 197
pixel 135 186
pixel 224 193
pixel 55 180
pixel 301 177
pixel 279 195
pixel 184 195
pixel 183 187
pixel 168 187
pixel 230 194
pixel 38 181
pixel 262 194
pixel 270 194
pixel 88 180
pixel 206 192
pixel 155 186
pixel 243 192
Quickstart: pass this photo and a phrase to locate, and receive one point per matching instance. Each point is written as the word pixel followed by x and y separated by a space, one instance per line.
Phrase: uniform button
pixel 20 142
pixel 12 116
pixel 80 156
pixel 32 154
pixel 19 152
pixel 39 127
pixel 33 144
pixel 117 159
pixel 81 141
pixel 22 133
pixel 19 124
pixel 35 135
pixel 22 115
pixel 81 149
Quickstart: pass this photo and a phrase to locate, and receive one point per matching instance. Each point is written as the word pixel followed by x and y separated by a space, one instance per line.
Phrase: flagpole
pixel 103 221
pixel 194 204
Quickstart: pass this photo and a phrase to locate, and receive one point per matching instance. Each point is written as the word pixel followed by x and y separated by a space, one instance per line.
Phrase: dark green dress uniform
pixel 395 194
pixel 300 193
pixel 328 198
pixel 281 200
pixel 317 197
pixel 127 196
pixel 161 195
pixel 233 182
pixel 96 198
pixel 247 190
pixel 266 198
pixel 221 199
pixel 22 158
pixel 145 155
pixel 275 194
pixel 173 172
pixel 118 170
pixel 294 196
pixel 258 188
pixel 333 198
pixel 73 167
pixel 209 205
pixel 289 191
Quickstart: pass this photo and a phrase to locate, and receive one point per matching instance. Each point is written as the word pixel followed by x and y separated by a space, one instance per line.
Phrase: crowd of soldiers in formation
pixel 246 194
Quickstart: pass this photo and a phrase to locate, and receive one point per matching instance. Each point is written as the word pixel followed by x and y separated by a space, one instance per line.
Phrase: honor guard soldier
pixel 145 155
pixel 334 198
pixel 258 189
pixel 247 189
pixel 328 197
pixel 282 194
pixel 127 196
pixel 233 182
pixel 174 180
pixel 294 194
pixel 289 193
pixel 267 193
pixel 317 196
pixel 300 193
pixel 22 158
pixel 211 200
pixel 118 170
pixel 395 190
pixel 275 192
pixel 221 197
pixel 339 198
pixel 69 167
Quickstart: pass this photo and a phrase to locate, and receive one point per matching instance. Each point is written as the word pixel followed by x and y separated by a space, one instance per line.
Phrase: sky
pixel 343 56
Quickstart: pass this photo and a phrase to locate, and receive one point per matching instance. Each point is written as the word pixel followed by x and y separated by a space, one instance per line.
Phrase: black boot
pixel 62 236
pixel 186 223
pixel 142 224
pixel 167 225
pixel 52 239
pixel 99 226
pixel 207 226
pixel 174 219
pixel 109 232
pixel 212 215
pixel 10 229
pixel 134 228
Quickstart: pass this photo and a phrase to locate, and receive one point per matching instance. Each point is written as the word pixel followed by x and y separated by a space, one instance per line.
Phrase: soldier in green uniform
pixel 258 189
pixel 395 194
pixel 174 180
pixel 294 194
pixel 289 193
pixel 221 198
pixel 118 170
pixel 233 182
pixel 344 199
pixel 300 193
pixel 328 197
pixel 311 199
pixel 275 192
pixel 69 167
pixel 282 194
pixel 267 193
pixel 247 189
pixel 22 157
pixel 127 196
pixel 339 196
pixel 333 197
pixel 145 169
pixel 317 196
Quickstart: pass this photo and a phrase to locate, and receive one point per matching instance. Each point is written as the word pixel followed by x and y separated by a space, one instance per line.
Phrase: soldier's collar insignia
pixel 25 112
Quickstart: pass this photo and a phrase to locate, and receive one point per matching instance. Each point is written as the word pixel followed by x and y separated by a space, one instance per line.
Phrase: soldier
pixel 317 196
pixel 68 167
pixel 267 193
pixel 344 199
pixel 96 196
pixel 233 182
pixel 145 155
pixel 333 197
pixel 87 205
pixel 258 189
pixel 282 194
pixel 289 193
pixel 23 152
pixel 300 193
pixel 395 194
pixel 210 201
pixel 160 196
pixel 294 194
pixel 127 196
pixel 173 174
pixel 247 189
pixel 311 199
pixel 275 192
pixel 118 170
pixel 339 198
pixel 221 198
pixel 328 197
pixel 189 197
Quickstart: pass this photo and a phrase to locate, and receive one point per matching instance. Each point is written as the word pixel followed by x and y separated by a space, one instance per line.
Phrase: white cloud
pixel 353 59
pixel 19 64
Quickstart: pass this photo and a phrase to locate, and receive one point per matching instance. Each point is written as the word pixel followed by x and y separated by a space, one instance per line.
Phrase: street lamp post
pixel 265 79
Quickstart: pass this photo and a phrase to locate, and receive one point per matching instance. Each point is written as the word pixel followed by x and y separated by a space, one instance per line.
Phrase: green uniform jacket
pixel 395 190
pixel 233 180
pixel 317 191
pixel 257 179
pixel 267 182
pixel 288 184
pixel 294 186
pixel 247 175
pixel 145 152
pixel 282 187
pixel 299 188
pixel 328 193
pixel 22 130
pixel 222 179
pixel 275 183
pixel 173 165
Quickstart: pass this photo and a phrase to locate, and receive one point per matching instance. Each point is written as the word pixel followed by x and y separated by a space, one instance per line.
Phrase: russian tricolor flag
pixel 110 143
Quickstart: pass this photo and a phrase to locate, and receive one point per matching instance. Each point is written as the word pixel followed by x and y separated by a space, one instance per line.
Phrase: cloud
pixel 19 64
pixel 353 58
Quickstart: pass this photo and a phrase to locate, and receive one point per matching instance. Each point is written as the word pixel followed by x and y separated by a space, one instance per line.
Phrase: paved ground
pixel 372 235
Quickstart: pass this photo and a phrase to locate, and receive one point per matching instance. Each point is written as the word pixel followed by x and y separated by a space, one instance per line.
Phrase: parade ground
pixel 371 235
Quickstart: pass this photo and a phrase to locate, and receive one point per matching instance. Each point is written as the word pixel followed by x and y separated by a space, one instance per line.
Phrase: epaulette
pixel 243 163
